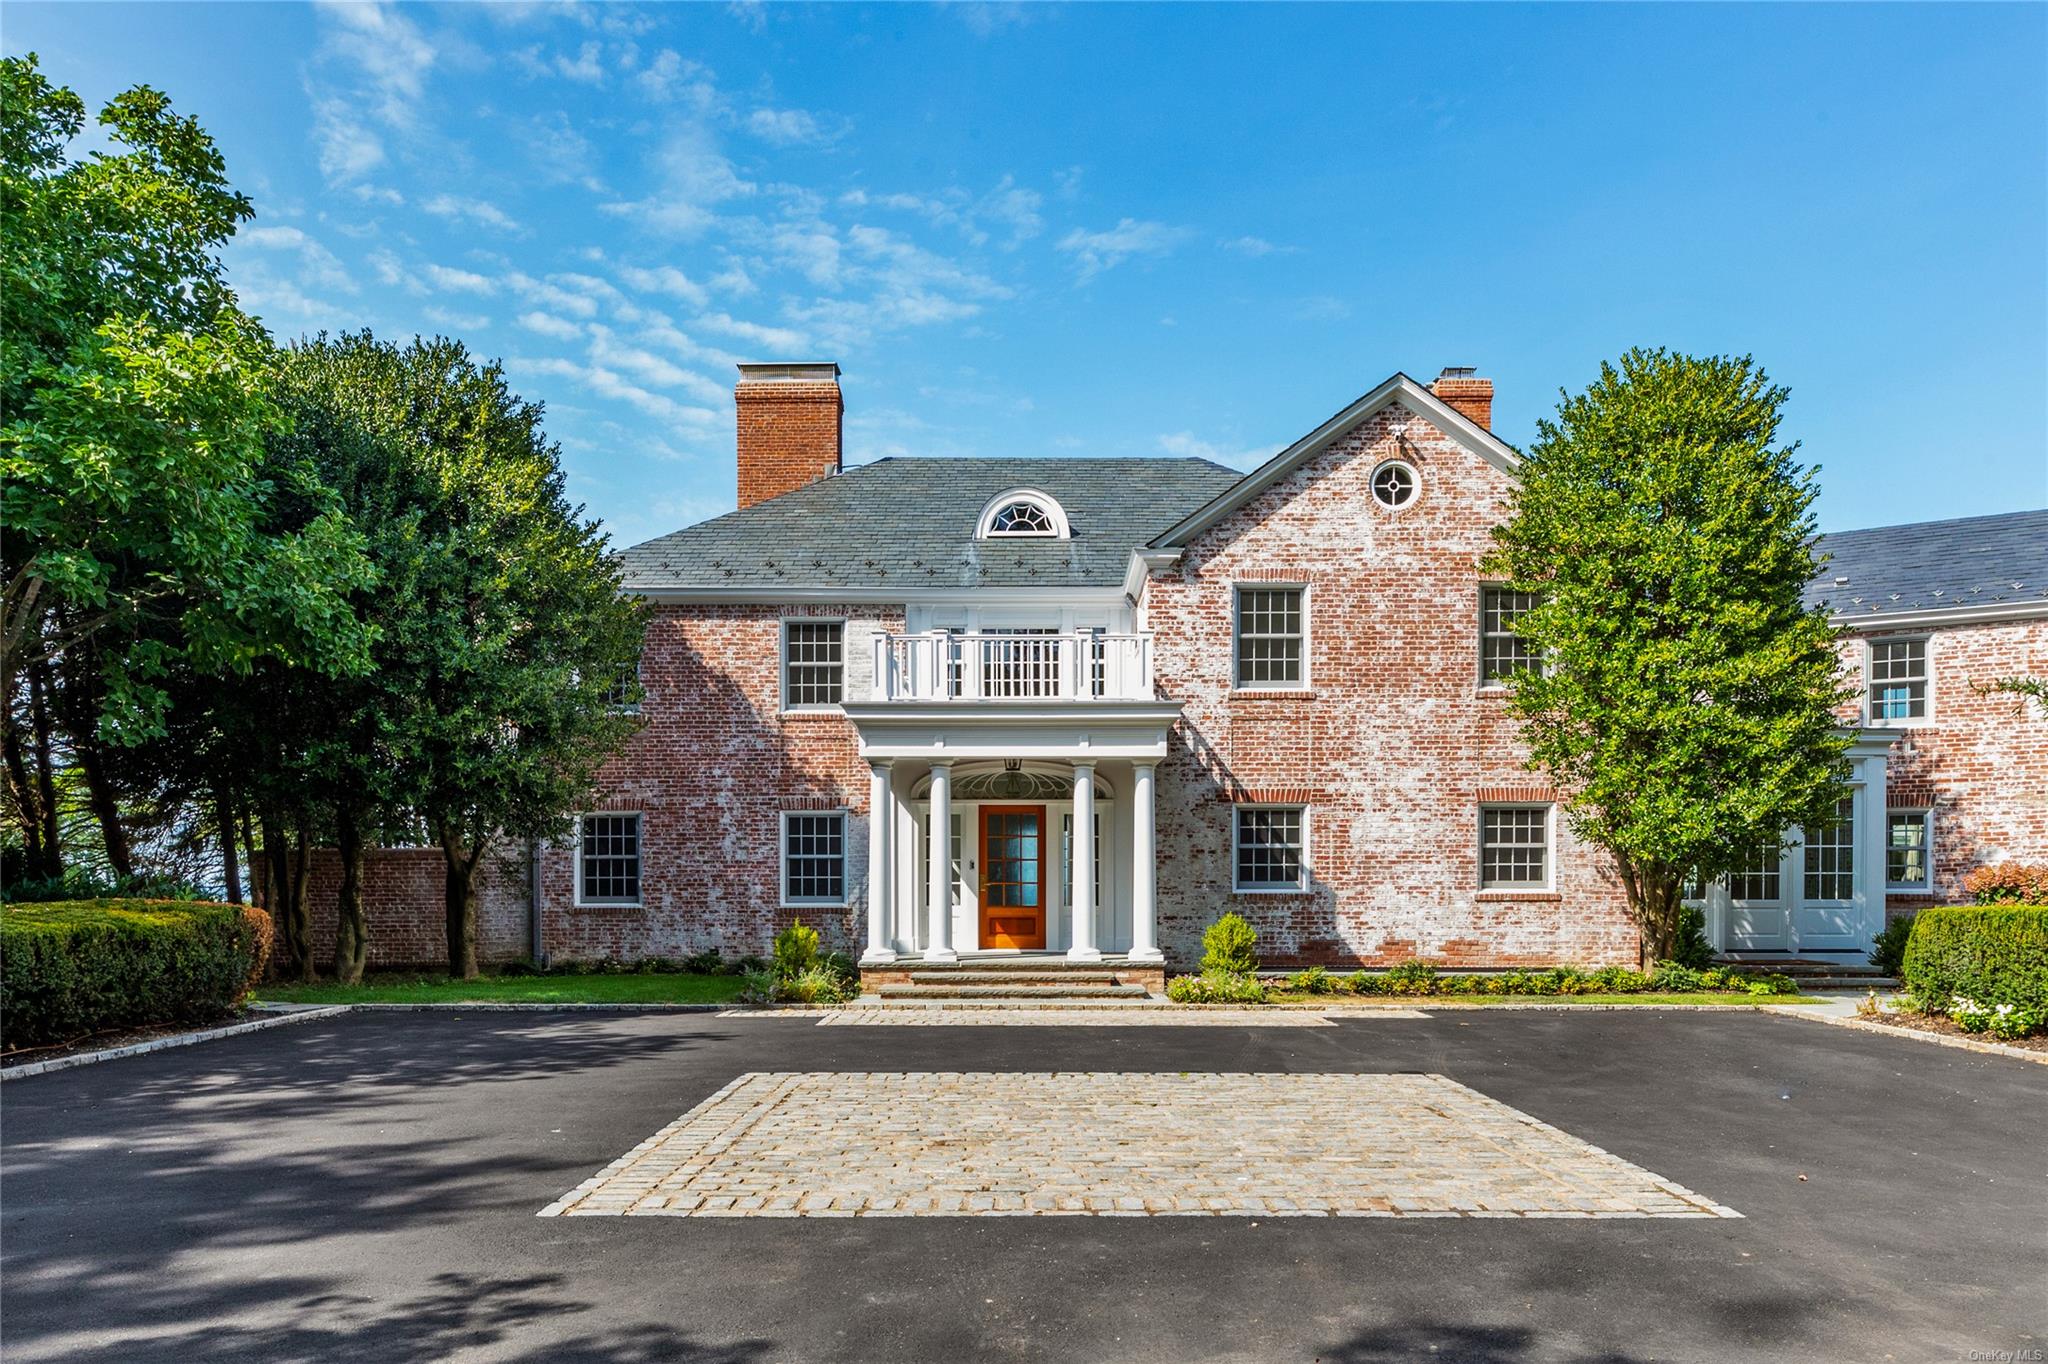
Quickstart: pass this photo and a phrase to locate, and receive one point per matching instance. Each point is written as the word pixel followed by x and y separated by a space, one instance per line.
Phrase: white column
pixel 939 896
pixel 1144 870
pixel 881 878
pixel 1082 939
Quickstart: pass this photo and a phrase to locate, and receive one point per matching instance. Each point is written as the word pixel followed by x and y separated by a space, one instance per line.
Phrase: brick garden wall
pixel 1391 747
pixel 402 899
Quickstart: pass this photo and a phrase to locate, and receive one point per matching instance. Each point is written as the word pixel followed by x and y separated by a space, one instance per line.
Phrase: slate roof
pixel 910 523
pixel 1934 565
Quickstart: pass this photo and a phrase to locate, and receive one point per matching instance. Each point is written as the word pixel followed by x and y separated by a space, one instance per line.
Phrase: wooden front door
pixel 1013 876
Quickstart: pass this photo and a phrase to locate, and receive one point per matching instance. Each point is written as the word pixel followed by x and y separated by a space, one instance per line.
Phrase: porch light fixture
pixel 1013 777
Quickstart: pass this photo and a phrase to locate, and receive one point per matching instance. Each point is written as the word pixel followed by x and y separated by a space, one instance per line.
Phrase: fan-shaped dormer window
pixel 1023 514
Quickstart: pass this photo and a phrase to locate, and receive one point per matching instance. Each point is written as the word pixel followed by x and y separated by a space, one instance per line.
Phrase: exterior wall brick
pixel 1980 762
pixel 402 899
pixel 1395 739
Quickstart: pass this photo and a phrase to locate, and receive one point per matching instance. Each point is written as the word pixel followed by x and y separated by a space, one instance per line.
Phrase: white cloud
pixel 547 324
pixel 608 383
pixel 810 249
pixel 318 267
pixel 785 127
pixel 480 211
pixel 1095 252
pixel 1189 446
pixel 665 279
pixel 586 67
pixel 1256 247
pixel 696 178
pixel 558 153
pixel 773 338
pixel 650 368
pixel 347 147
pixel 462 322
pixel 449 280
pixel 380 60
pixel 669 78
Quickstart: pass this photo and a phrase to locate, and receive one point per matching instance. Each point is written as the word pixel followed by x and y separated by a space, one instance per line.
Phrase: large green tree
pixel 138 538
pixel 1686 703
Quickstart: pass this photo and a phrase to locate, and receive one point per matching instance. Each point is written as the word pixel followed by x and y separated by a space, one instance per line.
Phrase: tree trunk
pixel 461 903
pixel 258 892
pixel 351 930
pixel 27 799
pixel 46 773
pixel 230 854
pixel 1653 890
pixel 288 860
pixel 106 805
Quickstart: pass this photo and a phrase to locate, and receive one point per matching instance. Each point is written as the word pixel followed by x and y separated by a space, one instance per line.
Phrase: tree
pixel 501 632
pixel 132 417
pixel 1686 704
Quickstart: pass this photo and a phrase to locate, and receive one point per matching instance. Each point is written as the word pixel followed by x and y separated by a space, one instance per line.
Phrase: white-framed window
pixel 624 697
pixel 1909 850
pixel 1394 484
pixel 1502 652
pixel 1761 878
pixel 1023 513
pixel 608 860
pixel 1271 637
pixel 1898 680
pixel 1269 848
pixel 814 857
pixel 1830 870
pixel 1514 847
pixel 813 664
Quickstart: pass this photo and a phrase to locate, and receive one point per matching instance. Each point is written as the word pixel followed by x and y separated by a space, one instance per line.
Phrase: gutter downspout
pixel 535 941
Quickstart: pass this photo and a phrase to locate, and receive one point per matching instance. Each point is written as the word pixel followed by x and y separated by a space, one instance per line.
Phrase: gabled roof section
pixel 1971 564
pixel 1410 393
pixel 909 524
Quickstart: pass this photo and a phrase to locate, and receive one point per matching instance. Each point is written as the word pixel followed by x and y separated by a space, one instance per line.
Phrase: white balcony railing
pixel 1016 666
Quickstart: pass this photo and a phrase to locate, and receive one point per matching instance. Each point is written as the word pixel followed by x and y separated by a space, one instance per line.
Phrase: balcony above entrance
pixel 1013 665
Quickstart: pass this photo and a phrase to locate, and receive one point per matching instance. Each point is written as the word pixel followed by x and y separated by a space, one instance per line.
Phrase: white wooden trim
pixel 782 665
pixel 1302 883
pixel 782 858
pixel 1549 809
pixel 1238 587
pixel 1900 637
pixel 639 818
pixel 1044 501
pixel 1926 814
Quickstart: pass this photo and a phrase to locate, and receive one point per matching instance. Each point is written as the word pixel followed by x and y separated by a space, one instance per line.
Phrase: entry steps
pixel 1820 975
pixel 1052 982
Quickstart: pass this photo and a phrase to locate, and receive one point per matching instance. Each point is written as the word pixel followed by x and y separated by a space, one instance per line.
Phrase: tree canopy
pixel 1686 703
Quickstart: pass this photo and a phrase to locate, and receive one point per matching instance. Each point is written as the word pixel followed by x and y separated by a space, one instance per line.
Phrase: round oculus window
pixel 1394 484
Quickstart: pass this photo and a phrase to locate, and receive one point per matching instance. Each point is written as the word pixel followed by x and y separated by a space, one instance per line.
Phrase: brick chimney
pixel 789 421
pixel 1466 391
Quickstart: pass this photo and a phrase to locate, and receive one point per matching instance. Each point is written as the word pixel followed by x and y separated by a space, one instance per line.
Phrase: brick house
pixel 1083 707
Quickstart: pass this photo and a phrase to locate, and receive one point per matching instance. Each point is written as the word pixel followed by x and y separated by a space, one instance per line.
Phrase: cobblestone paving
pixel 853 1144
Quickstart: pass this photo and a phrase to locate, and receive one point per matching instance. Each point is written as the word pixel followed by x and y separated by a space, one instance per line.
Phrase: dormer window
pixel 1023 514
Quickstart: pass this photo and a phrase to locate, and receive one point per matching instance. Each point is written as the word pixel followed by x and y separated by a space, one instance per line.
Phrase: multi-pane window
pixel 1022 518
pixel 814 858
pixel 1269 637
pixel 1908 848
pixel 1898 679
pixel 1271 847
pixel 608 863
pixel 813 663
pixel 1502 652
pixel 624 696
pixel 1514 847
pixel 1759 877
pixel 1831 855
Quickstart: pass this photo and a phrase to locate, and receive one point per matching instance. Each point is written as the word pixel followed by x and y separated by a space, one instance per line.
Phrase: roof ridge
pixel 1942 521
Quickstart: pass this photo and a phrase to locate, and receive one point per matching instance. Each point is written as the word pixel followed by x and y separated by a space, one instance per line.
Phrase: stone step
pixel 1872 982
pixel 1804 968
pixel 947 975
pixel 965 991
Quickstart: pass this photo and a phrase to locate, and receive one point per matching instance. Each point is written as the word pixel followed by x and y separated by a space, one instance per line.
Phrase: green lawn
pixel 649 988
pixel 1424 1001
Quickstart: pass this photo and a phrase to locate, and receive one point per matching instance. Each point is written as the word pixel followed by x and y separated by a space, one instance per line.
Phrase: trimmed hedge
pixel 69 969
pixel 1992 955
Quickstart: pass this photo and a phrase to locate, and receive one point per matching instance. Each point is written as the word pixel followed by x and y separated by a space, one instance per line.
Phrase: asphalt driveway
pixel 366 1188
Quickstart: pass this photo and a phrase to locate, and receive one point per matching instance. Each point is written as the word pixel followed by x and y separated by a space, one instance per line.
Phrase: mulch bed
pixel 112 1037
pixel 1936 1023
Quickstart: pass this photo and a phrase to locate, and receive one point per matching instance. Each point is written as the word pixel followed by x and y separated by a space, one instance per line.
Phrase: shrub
pixel 1410 978
pixel 1230 945
pixel 1216 987
pixel 2008 883
pixel 795 948
pixel 758 986
pixel 1690 947
pixel 1888 949
pixel 817 983
pixel 1618 980
pixel 71 969
pixel 1314 981
pixel 1765 986
pixel 705 963
pixel 1365 983
pixel 1675 978
pixel 1989 955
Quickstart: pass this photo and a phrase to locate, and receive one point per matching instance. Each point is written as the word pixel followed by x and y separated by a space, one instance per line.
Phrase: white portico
pixel 1011 784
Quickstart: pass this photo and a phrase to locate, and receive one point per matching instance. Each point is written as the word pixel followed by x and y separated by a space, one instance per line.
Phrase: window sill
pixel 1917 722
pixel 813 904
pixel 815 713
pixel 633 908
pixel 1492 691
pixel 1273 693
pixel 1534 895
pixel 1269 890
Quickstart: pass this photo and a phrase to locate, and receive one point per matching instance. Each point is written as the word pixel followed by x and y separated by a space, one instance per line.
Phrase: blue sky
pixel 1149 229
